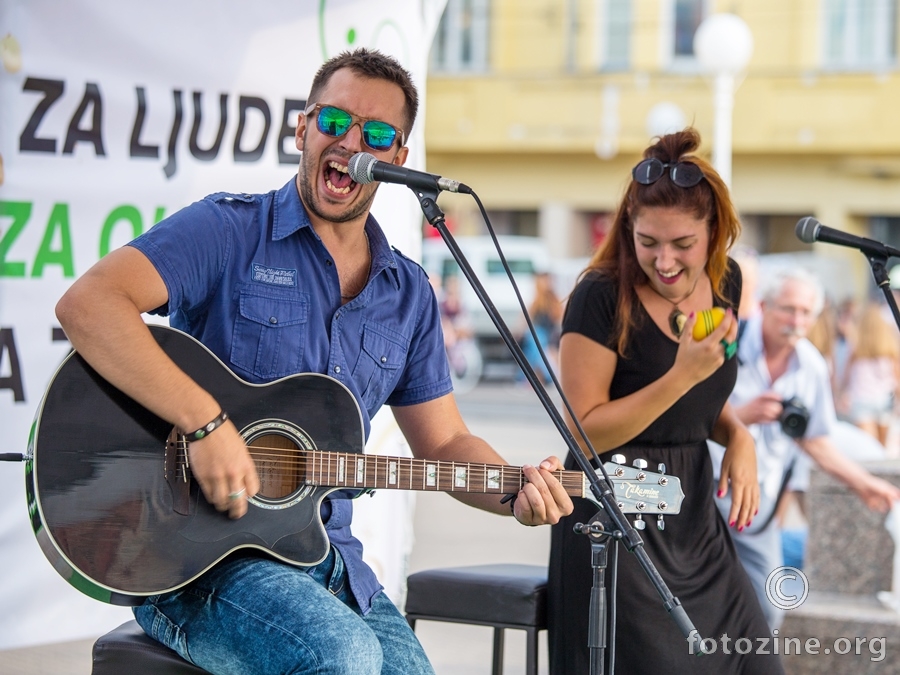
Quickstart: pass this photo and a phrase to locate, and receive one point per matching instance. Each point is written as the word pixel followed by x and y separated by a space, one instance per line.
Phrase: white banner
pixel 114 115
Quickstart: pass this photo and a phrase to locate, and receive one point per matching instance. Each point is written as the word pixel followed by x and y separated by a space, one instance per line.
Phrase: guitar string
pixel 279 458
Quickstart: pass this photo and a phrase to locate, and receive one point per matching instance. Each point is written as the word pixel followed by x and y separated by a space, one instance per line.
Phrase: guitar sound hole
pixel 280 464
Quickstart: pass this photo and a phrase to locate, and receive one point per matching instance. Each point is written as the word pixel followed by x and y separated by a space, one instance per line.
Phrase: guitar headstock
pixel 643 492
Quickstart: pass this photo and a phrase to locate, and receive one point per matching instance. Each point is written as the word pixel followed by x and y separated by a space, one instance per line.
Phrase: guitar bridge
pixel 177 467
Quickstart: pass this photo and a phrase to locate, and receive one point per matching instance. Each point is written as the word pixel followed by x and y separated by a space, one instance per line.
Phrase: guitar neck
pixel 350 470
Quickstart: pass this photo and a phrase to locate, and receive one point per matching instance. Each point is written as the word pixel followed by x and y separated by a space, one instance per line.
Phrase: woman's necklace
pixel 366 278
pixel 677 319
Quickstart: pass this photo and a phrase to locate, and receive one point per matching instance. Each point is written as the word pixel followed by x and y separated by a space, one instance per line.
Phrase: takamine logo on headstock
pixel 643 492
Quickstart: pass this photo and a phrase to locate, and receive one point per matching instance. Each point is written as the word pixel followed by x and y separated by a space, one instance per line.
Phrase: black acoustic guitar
pixel 116 512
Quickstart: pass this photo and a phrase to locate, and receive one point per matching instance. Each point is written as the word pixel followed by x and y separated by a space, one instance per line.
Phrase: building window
pixel 772 233
pixel 681 18
pixel 615 35
pixel 461 42
pixel 885 229
pixel 859 34
pixel 519 223
pixel 688 15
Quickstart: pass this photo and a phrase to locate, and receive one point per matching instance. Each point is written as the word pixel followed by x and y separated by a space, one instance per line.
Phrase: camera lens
pixel 794 418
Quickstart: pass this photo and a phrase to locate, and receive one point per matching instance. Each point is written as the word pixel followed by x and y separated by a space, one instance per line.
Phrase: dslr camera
pixel 794 417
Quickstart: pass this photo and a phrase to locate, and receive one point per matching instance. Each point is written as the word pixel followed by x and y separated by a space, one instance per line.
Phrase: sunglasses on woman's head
pixel 335 122
pixel 683 174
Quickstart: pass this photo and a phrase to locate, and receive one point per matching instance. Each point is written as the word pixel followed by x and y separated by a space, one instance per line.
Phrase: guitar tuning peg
pixel 639 523
pixel 640 465
pixel 660 468
pixel 618 459
pixel 660 523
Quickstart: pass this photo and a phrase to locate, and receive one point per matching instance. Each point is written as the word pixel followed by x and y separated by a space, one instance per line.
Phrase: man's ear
pixel 402 154
pixel 300 132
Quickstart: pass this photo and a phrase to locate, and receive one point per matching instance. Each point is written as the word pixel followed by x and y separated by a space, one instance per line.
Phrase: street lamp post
pixel 723 45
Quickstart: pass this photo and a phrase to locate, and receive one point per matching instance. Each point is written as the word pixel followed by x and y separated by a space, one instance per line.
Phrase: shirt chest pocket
pixel 380 363
pixel 270 333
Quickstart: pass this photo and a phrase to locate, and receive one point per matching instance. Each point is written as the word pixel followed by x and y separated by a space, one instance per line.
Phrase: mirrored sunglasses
pixel 335 122
pixel 683 174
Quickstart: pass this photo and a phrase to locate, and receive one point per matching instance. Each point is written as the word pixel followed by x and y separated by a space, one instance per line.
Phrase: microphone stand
pixel 878 263
pixel 619 526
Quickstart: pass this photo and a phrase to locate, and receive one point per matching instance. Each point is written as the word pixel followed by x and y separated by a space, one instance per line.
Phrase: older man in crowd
pixel 782 372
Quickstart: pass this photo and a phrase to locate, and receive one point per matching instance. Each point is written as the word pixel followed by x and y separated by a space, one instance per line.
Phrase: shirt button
pixel 273 320
pixel 337 369
pixel 328 262
pixel 384 359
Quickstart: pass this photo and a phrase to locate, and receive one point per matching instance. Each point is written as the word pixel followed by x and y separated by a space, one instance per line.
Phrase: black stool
pixel 127 649
pixel 502 596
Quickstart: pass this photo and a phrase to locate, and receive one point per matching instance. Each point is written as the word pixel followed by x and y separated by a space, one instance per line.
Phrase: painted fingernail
pixel 741 528
pixel 731 524
pixel 719 493
pixel 756 512
pixel 749 523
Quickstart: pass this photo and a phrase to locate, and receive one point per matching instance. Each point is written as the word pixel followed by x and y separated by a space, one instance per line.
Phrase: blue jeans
pixel 256 615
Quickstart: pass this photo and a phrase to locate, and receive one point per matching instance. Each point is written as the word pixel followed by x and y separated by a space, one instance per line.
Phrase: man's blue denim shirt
pixel 249 277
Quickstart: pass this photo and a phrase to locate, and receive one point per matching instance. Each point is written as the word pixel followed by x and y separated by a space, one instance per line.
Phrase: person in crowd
pixel 300 279
pixel 823 336
pixel 747 259
pixel 641 385
pixel 463 352
pixel 783 395
pixel 546 311
pixel 872 375
pixel 845 338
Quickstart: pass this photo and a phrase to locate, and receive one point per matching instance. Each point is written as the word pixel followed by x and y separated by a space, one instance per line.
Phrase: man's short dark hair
pixel 375 65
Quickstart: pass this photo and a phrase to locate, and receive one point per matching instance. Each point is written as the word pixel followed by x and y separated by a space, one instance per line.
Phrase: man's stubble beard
pixel 308 197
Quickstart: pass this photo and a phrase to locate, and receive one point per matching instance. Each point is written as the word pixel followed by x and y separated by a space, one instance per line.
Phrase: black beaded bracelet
pixel 207 428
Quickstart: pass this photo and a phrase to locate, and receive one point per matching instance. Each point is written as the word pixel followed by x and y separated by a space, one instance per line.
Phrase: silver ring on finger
pixel 236 495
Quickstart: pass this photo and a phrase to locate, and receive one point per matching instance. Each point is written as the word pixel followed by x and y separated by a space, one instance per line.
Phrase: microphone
pixel 810 230
pixel 364 168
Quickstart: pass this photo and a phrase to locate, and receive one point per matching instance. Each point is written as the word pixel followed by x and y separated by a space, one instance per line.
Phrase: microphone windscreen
pixel 360 167
pixel 807 229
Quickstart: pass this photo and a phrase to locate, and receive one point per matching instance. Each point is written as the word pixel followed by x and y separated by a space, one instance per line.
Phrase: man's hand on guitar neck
pixel 224 469
pixel 542 500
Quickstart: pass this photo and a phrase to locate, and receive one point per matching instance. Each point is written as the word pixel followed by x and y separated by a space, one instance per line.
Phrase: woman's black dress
pixel 694 554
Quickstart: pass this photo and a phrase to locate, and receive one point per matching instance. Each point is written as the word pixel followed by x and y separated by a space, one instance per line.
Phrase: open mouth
pixel 669 277
pixel 337 180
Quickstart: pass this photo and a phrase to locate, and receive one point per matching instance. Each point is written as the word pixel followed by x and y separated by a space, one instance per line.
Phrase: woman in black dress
pixel 642 386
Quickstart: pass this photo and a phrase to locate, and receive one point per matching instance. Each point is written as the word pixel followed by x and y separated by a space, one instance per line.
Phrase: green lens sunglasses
pixel 335 122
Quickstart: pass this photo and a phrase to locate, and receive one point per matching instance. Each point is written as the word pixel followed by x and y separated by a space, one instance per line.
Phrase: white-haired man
pixel 777 365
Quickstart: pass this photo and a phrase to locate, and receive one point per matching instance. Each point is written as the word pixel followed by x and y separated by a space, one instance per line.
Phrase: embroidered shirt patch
pixel 274 275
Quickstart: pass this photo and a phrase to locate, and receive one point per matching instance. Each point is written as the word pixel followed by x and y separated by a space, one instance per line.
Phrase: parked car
pixel 525 257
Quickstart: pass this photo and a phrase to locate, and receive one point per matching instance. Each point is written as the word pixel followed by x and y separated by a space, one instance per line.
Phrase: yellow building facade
pixel 544 106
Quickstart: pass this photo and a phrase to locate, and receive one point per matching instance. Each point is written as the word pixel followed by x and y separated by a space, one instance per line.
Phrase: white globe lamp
pixel 723 45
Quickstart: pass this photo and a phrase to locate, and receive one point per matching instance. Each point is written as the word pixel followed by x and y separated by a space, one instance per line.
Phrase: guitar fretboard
pixel 337 469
